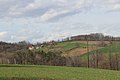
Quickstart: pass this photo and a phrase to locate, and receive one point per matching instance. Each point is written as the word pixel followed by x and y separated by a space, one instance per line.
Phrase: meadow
pixel 37 72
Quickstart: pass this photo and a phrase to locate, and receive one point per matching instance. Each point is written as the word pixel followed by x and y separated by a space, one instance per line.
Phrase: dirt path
pixel 78 51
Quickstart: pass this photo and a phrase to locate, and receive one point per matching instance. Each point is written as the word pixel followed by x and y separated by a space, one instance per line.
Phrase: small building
pixel 31 47
pixel 37 47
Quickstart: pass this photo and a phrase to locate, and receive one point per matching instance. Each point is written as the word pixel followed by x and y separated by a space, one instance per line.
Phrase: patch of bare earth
pixel 79 51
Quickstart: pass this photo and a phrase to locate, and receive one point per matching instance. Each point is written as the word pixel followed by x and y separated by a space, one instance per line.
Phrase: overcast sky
pixel 44 20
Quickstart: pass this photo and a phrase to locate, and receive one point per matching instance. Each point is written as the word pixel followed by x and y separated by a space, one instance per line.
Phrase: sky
pixel 45 20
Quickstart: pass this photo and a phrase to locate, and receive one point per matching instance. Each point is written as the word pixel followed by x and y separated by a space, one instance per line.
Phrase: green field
pixel 63 46
pixel 31 72
pixel 114 48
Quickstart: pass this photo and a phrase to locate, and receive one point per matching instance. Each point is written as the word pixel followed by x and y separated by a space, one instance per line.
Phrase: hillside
pixel 77 53
pixel 31 72
pixel 114 48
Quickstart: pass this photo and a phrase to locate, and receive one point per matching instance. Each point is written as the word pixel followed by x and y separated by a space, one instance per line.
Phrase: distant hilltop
pixel 84 37
pixel 93 37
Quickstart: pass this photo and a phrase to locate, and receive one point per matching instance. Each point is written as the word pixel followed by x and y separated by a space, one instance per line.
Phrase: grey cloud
pixel 113 5
pixel 38 8
pixel 7 5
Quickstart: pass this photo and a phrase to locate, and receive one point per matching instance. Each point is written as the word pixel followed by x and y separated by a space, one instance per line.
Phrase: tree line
pixel 92 37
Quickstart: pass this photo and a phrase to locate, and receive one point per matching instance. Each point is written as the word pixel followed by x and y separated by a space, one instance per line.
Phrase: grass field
pixel 63 46
pixel 31 72
pixel 115 48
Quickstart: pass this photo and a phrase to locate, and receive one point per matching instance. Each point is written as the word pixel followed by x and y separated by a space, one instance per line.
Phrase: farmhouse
pixel 31 47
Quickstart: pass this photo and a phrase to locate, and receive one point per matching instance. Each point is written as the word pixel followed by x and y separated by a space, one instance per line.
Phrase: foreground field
pixel 30 72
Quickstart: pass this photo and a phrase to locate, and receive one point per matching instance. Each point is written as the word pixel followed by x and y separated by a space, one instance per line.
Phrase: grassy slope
pixel 57 73
pixel 115 48
pixel 68 46
pixel 63 46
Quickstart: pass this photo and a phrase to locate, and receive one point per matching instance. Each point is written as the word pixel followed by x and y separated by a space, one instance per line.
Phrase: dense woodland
pixel 19 53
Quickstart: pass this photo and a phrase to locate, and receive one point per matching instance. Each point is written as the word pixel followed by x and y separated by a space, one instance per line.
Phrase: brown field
pixel 79 51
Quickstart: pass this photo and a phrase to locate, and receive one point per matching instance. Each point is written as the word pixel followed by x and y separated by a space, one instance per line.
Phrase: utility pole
pixel 88 65
pixel 110 53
